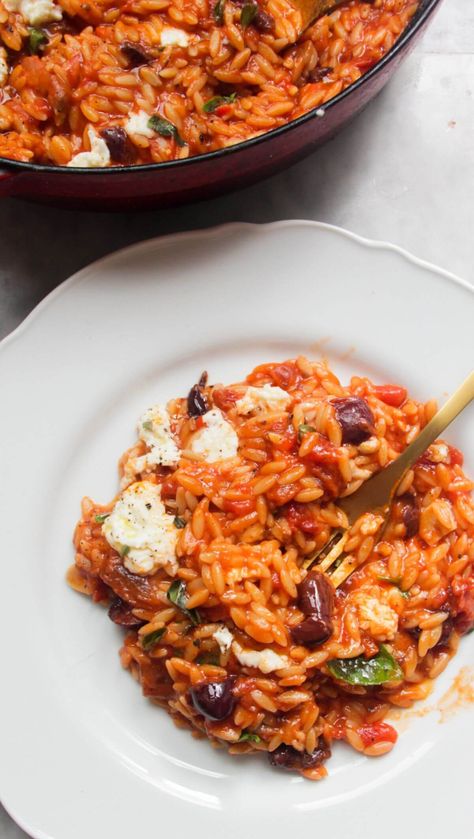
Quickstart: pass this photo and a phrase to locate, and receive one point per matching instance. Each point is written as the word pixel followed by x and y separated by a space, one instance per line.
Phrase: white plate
pixel 83 754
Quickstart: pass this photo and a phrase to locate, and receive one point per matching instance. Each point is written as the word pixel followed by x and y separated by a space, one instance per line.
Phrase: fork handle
pixel 386 481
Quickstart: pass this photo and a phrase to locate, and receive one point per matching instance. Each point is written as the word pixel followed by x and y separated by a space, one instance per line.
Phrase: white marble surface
pixel 403 172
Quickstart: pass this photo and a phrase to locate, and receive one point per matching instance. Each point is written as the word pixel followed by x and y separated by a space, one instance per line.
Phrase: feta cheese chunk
pixel 35 12
pixel 217 440
pixel 141 531
pixel 436 521
pixel 376 616
pixel 263 400
pixel 3 67
pixel 155 430
pixel 224 638
pixel 171 37
pixel 137 123
pixel 97 157
pixel 265 660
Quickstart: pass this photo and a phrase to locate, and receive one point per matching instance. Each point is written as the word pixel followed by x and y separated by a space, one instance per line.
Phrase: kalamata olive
pixel 214 700
pixel 446 630
pixel 410 516
pixel 264 22
pixel 286 757
pixel 316 595
pixel 121 613
pixel 311 631
pixel 464 606
pixel 135 53
pixel 118 144
pixel 197 402
pixel 316 601
pixel 355 418
pixel 318 74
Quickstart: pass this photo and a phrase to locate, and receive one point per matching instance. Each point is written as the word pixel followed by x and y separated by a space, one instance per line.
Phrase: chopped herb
pixel 150 640
pixel 165 128
pixel 250 737
pixel 395 581
pixel 210 106
pixel 176 595
pixel 304 429
pixel 124 550
pixel 367 671
pixel 209 658
pixel 218 12
pixel 100 518
pixel 248 13
pixel 147 425
pixel 179 522
pixel 37 40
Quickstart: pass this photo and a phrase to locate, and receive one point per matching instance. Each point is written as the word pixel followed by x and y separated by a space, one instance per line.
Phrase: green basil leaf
pixel 248 13
pixel 124 550
pixel 179 522
pixel 209 658
pixel 395 581
pixel 147 425
pixel 100 518
pixel 210 106
pixel 304 429
pixel 366 671
pixel 165 128
pixel 218 12
pixel 37 40
pixel 176 595
pixel 250 737
pixel 150 640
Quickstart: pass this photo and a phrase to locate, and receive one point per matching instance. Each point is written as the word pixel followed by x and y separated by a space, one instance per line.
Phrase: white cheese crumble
pixel 265 660
pixel 141 531
pixel 3 67
pixel 263 399
pixel 438 453
pixel 171 37
pixel 217 440
pixel 137 123
pixel 155 430
pixel 224 638
pixel 36 12
pixel 376 617
pixel 98 156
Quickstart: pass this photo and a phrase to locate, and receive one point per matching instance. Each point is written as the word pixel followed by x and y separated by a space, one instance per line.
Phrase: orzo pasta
pixel 200 558
pixel 108 83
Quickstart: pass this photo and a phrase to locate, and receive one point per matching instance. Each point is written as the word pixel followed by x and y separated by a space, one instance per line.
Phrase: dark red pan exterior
pixel 183 181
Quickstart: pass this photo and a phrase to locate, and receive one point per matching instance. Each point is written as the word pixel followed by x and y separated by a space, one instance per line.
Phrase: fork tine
pixel 343 571
pixel 336 547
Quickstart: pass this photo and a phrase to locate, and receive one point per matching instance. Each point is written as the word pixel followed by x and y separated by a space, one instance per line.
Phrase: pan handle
pixel 7 179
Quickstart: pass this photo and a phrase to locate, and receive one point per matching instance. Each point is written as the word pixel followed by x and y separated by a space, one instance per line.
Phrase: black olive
pixel 318 74
pixel 355 418
pixel 446 631
pixel 311 631
pixel 214 700
pixel 316 601
pixel 264 22
pixel 410 516
pixel 197 401
pixel 135 53
pixel 118 144
pixel 121 613
pixel 286 757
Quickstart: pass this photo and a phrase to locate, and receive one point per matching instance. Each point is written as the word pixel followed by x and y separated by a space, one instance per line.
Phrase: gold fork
pixel 377 494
